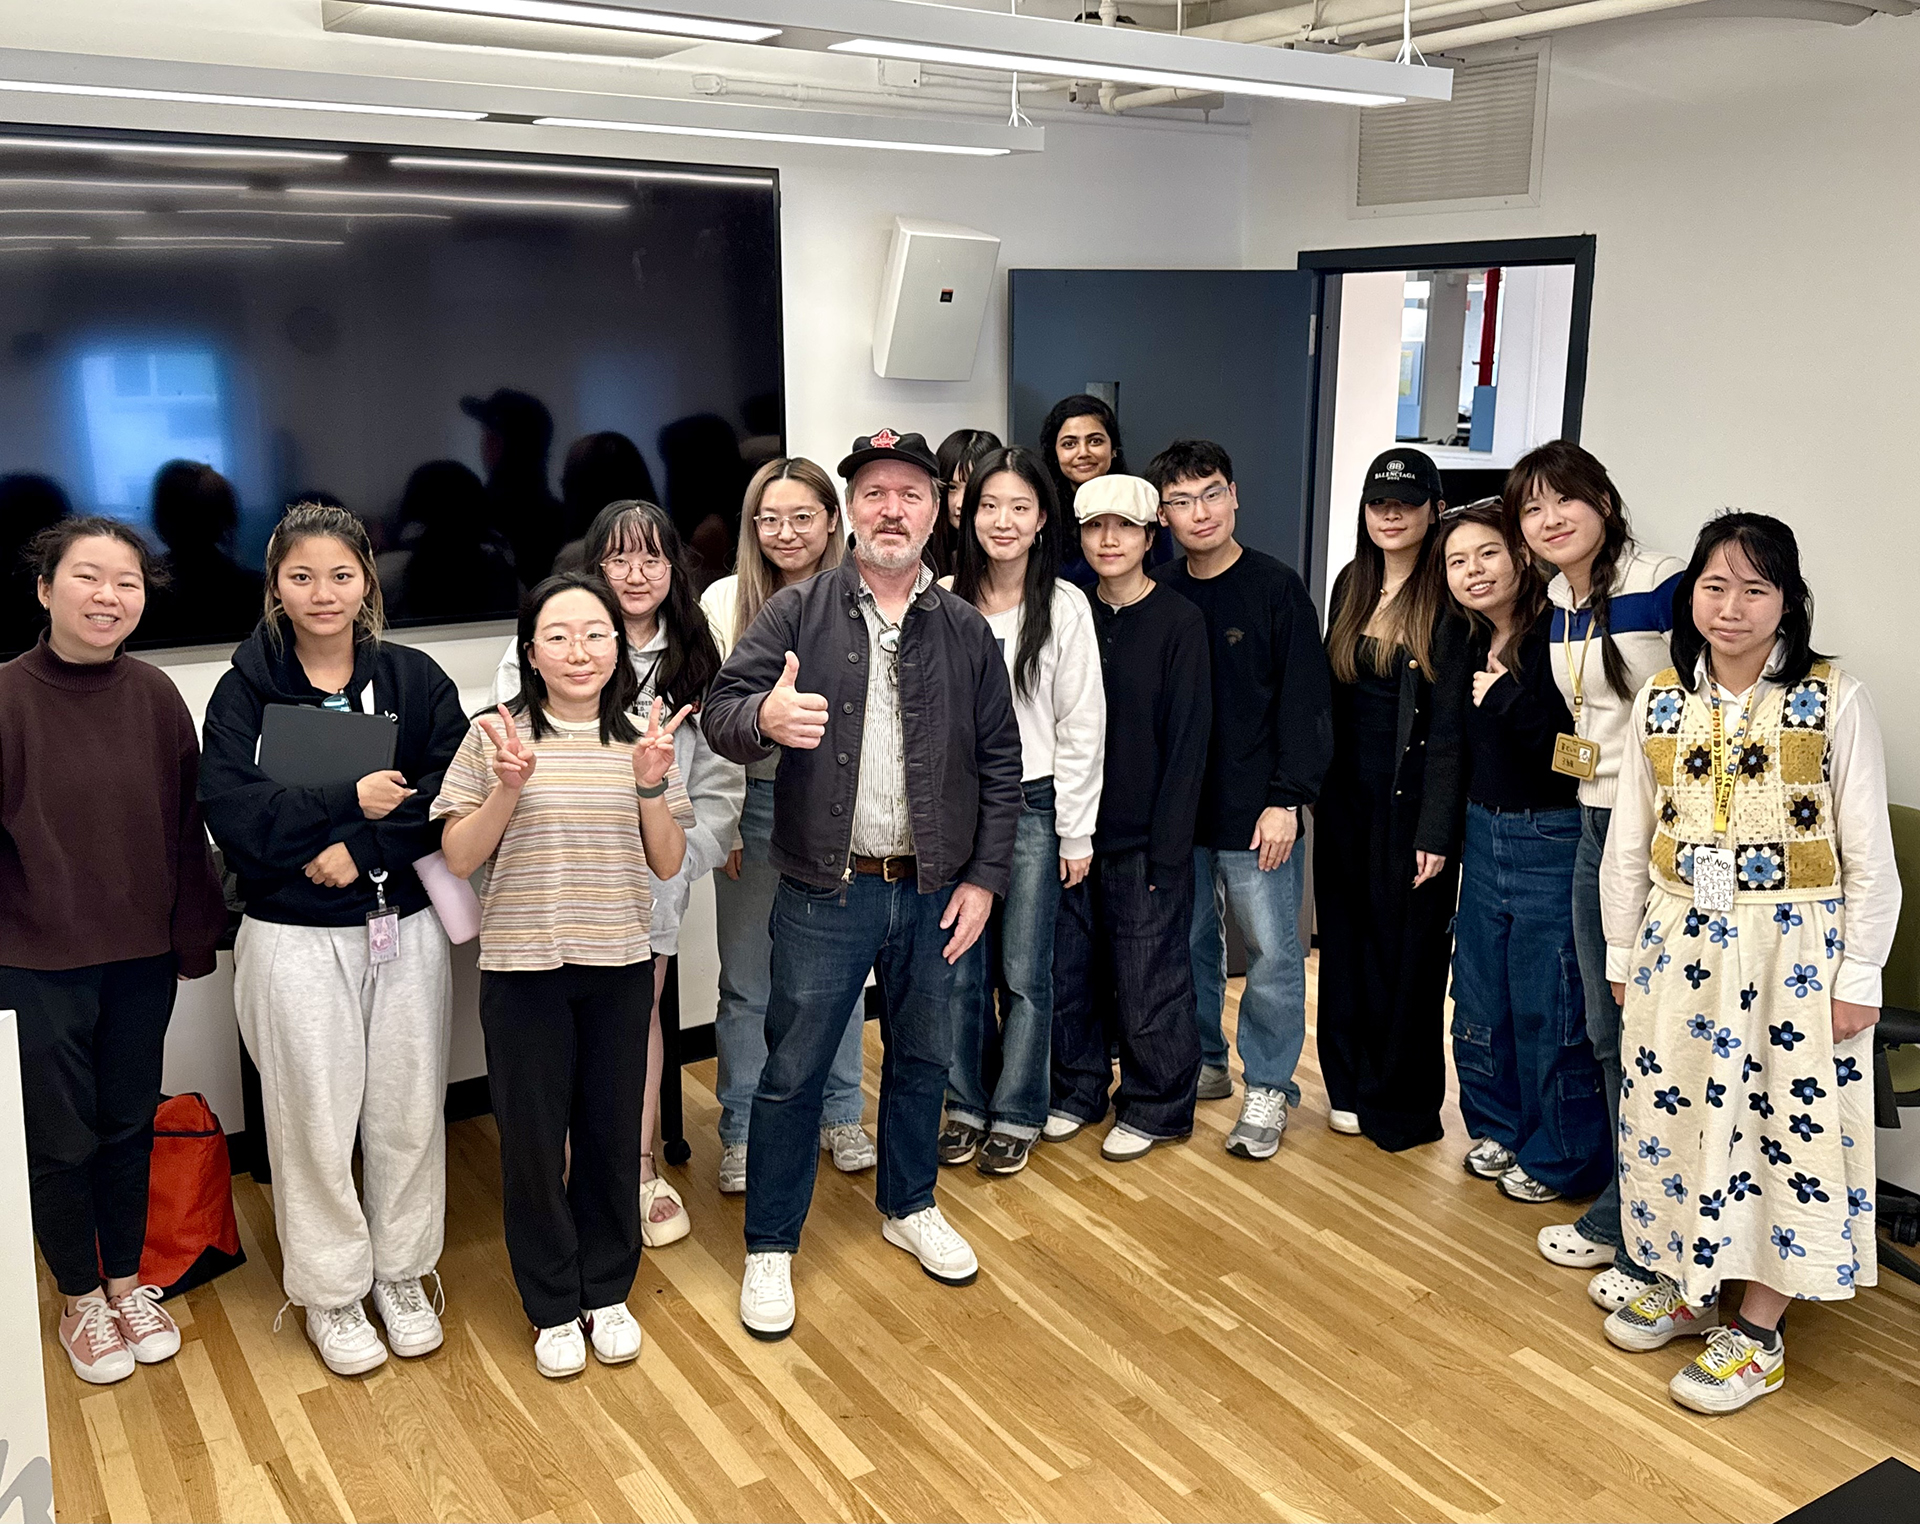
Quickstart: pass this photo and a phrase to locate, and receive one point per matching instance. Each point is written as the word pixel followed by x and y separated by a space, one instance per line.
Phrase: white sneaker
pixel 942 1253
pixel 1732 1371
pixel 1347 1122
pixel 1489 1160
pixel 1122 1143
pixel 1565 1244
pixel 766 1294
pixel 561 1350
pixel 345 1339
pixel 413 1326
pixel 616 1334
pixel 1517 1185
pixel 733 1169
pixel 852 1149
pixel 1655 1318
pixel 1263 1117
pixel 148 1328
pixel 1613 1289
pixel 1059 1127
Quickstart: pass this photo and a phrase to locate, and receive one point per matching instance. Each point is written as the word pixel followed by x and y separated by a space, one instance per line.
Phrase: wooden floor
pixel 1336 1334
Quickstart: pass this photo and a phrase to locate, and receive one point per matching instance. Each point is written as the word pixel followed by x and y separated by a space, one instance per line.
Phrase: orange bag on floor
pixel 191 1232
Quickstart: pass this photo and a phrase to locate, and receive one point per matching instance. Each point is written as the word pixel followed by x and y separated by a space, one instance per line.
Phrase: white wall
pixel 1366 399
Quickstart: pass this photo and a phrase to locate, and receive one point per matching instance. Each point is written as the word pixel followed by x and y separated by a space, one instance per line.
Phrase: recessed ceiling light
pixel 760 135
pixel 450 198
pixel 177 150
pixel 618 19
pixel 581 171
pixel 212 187
pixel 209 98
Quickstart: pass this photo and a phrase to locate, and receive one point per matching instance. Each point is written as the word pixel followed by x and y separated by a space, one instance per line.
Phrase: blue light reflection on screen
pixel 142 405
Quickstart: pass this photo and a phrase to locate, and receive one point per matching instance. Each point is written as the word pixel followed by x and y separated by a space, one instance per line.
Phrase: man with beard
pixel 895 809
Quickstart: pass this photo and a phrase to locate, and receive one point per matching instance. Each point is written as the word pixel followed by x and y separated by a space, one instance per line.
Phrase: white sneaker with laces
pixel 1732 1371
pixel 1488 1160
pixel 1263 1117
pixel 766 1294
pixel 616 1334
pixel 851 1148
pixel 733 1169
pixel 345 1339
pixel 1655 1318
pixel 560 1350
pixel 412 1322
pixel 928 1236
pixel 1613 1288
pixel 1517 1185
pixel 148 1328
pixel 1565 1244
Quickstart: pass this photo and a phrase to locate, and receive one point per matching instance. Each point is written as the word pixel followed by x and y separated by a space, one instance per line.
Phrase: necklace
pixel 1116 607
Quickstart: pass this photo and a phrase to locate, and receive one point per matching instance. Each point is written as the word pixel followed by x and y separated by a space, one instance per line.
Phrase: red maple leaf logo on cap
pixel 886 439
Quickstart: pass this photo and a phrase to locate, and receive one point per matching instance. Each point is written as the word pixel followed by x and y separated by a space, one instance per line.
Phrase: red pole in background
pixel 1489 312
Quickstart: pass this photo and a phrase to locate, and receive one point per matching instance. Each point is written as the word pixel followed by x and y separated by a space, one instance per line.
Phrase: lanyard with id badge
pixel 383 925
pixel 1714 877
pixel 1574 755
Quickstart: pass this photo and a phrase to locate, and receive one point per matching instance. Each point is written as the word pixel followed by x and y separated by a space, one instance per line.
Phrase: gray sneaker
pixel 1263 1117
pixel 1215 1083
pixel 733 1169
pixel 850 1146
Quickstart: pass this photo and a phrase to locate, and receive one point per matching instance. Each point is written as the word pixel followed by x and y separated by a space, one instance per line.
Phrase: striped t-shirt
pixel 569 881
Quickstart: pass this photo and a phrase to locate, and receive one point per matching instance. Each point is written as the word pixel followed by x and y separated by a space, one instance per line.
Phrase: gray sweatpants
pixel 344 1048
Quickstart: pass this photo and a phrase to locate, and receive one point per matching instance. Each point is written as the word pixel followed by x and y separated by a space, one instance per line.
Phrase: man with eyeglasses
pixel 1271 745
pixel 894 815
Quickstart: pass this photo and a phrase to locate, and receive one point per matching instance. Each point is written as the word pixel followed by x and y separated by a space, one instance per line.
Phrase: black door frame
pixel 1576 250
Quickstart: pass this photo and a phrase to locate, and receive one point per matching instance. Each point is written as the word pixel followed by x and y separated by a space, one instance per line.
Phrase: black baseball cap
pixel 884 444
pixel 514 415
pixel 1404 476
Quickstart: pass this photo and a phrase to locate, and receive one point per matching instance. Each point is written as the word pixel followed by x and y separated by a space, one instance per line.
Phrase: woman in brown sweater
pixel 107 898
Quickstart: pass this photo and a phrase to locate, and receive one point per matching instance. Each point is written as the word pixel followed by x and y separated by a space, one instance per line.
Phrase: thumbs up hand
pixel 789 717
pixel 1482 681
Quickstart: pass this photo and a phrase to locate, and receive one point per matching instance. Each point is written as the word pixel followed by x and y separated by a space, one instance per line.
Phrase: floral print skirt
pixel 1746 1132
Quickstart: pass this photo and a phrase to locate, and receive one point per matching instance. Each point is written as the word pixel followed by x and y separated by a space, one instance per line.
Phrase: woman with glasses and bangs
pixel 671 649
pixel 790 530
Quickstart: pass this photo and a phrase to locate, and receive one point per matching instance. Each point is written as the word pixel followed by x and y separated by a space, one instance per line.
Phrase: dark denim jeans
pixel 1528 1078
pixel 1123 946
pixel 824 942
pixel 999 1074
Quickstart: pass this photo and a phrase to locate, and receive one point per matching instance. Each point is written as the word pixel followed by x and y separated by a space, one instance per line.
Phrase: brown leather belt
pixel 891 869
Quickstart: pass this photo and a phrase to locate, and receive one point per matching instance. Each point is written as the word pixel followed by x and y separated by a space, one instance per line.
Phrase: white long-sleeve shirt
pixel 1863 841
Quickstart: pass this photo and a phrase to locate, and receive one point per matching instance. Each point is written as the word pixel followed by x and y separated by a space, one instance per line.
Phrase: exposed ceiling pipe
pixel 1524 26
pixel 1339 30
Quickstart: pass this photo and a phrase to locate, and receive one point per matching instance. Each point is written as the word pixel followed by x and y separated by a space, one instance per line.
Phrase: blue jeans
pixel 741 908
pixel 1601 1223
pixel 1273 1007
pixel 1528 1079
pixel 1000 1068
pixel 824 942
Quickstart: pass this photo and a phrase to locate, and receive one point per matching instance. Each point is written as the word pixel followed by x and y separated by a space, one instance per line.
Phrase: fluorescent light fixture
pixel 72 211
pixel 177 150
pixel 450 198
pixel 212 187
pixel 287 211
pixel 224 240
pixel 619 19
pixel 580 171
pixel 759 135
pixel 1120 74
pixel 43 237
pixel 209 98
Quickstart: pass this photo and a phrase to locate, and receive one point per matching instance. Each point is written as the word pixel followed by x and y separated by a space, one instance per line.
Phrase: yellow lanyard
pixel 1575 675
pixel 1726 760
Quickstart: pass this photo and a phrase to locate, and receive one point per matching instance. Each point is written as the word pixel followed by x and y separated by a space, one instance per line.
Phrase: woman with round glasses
pixel 789 531
pixel 636 548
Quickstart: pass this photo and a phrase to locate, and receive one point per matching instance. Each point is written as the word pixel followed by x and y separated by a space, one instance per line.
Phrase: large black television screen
pixel 474 352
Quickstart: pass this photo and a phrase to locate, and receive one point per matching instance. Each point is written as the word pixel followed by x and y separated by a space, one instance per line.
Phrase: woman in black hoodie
pixel 341 976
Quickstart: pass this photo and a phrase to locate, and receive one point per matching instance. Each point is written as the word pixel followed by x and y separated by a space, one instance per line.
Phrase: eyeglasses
pixel 800 522
pixel 595 642
pixel 1184 502
pixel 620 568
pixel 1453 511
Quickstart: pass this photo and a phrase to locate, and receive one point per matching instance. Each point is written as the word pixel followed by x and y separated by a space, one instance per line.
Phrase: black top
pixel 1371 728
pixel 1153 658
pixel 1508 735
pixel 1272 736
pixel 269 832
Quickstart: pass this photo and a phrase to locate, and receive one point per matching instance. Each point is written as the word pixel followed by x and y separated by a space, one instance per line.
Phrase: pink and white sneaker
pixel 147 1327
pixel 91 1336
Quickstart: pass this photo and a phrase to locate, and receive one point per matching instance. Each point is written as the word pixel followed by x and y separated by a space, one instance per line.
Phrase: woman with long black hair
pixel 1080 440
pixel 997 1090
pixel 1383 849
pixel 670 645
pixel 959 453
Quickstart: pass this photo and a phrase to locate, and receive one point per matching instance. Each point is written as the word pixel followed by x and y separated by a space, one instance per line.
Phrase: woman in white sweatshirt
pixel 1612 615
pixel 1007 567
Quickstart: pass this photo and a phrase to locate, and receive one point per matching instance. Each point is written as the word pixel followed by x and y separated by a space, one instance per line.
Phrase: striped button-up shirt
pixel 882 825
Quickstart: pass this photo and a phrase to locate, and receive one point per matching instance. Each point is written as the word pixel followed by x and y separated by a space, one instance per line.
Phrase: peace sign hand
pixel 653 754
pixel 513 758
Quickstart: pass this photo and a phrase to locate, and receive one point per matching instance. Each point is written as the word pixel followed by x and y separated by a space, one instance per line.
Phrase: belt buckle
pixel 892 869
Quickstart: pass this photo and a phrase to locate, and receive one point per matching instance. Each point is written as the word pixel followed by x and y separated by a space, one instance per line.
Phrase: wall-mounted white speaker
pixel 933 299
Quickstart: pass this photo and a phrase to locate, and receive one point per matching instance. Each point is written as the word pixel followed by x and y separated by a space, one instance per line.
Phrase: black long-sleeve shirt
pixel 1153 659
pixel 1272 731
pixel 1506 740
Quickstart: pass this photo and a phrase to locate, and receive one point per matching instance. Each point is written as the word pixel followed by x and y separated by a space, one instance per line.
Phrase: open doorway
pixel 1473 353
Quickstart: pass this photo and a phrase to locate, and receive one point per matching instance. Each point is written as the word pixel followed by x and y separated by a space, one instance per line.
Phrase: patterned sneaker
pixel 1003 1154
pixel 1263 1117
pixel 733 1169
pixel 148 1328
pixel 959 1142
pixel 1613 1288
pixel 1216 1084
pixel 91 1336
pixel 1488 1160
pixel 1730 1372
pixel 1517 1185
pixel 850 1146
pixel 1655 1318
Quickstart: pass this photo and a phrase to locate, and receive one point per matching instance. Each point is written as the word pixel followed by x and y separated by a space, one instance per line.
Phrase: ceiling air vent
pixel 1481 149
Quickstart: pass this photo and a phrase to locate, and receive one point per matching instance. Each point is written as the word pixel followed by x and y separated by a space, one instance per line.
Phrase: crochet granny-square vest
pixel 1780 823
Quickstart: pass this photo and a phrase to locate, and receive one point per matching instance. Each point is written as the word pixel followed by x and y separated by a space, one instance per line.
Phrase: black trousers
pixel 91 1044
pixel 567 1058
pixel 1120 951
